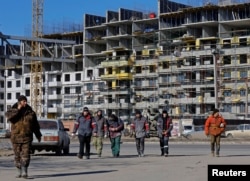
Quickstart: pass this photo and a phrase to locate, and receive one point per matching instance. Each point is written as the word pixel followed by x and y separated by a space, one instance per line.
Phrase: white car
pixel 241 131
pixel 4 133
pixel 54 137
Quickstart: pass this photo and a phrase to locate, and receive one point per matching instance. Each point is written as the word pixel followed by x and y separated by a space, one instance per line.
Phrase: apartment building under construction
pixel 186 59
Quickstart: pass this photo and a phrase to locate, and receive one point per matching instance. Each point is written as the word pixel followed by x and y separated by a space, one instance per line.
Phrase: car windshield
pixel 48 125
pixel 188 127
pixel 240 127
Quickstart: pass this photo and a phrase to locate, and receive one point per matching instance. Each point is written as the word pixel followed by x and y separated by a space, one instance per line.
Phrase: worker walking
pixel 114 128
pixel 164 128
pixel 140 129
pixel 86 127
pixel 214 126
pixel 23 124
pixel 98 138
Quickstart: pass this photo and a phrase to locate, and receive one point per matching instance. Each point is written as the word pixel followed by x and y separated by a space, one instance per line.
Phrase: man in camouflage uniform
pixel 23 124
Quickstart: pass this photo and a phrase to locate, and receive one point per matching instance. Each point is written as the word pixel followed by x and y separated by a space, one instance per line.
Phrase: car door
pixel 63 134
pixel 246 132
pixel 241 131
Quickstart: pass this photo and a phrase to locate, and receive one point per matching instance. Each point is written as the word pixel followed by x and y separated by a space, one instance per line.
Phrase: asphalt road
pixel 186 161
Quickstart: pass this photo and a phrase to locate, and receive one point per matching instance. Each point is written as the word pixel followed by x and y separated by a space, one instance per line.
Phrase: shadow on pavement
pixel 71 174
pixel 234 155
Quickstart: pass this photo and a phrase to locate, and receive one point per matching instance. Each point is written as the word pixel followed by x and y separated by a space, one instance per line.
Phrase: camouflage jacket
pixel 23 124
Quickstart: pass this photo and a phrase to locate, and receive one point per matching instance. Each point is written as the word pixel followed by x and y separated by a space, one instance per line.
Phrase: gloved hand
pixel 73 135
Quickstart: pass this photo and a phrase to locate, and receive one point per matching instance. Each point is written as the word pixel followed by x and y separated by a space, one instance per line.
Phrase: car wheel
pixel 229 135
pixel 189 136
pixel 66 150
pixel 32 151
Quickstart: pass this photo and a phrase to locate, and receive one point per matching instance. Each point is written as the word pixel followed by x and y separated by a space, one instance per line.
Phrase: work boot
pixel 162 152
pixel 79 156
pixel 19 173
pixel 142 154
pixel 25 172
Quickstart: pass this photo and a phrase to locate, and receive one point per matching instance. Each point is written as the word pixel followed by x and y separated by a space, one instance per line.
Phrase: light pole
pixel 246 108
pixel 215 53
pixel 5 98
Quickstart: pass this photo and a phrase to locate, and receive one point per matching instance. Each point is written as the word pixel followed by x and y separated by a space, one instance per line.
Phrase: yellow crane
pixel 36 78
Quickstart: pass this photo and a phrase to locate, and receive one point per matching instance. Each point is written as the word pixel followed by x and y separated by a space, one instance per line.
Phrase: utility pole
pixel 215 53
pixel 246 106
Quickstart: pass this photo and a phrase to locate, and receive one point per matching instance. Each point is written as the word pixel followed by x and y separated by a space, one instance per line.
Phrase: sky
pixel 16 15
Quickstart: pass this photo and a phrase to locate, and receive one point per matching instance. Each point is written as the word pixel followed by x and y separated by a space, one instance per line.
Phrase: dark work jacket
pixel 140 126
pixel 100 125
pixel 23 124
pixel 118 123
pixel 85 125
pixel 164 126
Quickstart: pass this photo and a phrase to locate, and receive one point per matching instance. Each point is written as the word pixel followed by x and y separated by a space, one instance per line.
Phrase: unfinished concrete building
pixel 59 55
pixel 186 59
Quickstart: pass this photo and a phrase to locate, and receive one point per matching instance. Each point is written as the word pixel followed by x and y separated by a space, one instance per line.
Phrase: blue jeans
pixel 164 144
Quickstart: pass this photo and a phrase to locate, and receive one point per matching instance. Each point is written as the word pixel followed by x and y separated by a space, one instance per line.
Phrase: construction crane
pixel 36 78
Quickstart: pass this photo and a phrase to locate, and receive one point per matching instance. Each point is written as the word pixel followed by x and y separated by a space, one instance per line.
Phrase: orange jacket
pixel 215 125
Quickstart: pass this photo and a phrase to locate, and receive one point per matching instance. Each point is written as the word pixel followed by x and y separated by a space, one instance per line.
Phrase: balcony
pixel 55 84
pixel 54 109
pixel 143 104
pixel 119 76
pixel 116 63
pixel 54 96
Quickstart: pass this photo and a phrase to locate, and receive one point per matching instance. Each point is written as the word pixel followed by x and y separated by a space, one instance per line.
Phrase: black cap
pixel 137 112
pixel 85 109
pixel 215 111
pixel 164 111
pixel 22 98
pixel 112 117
